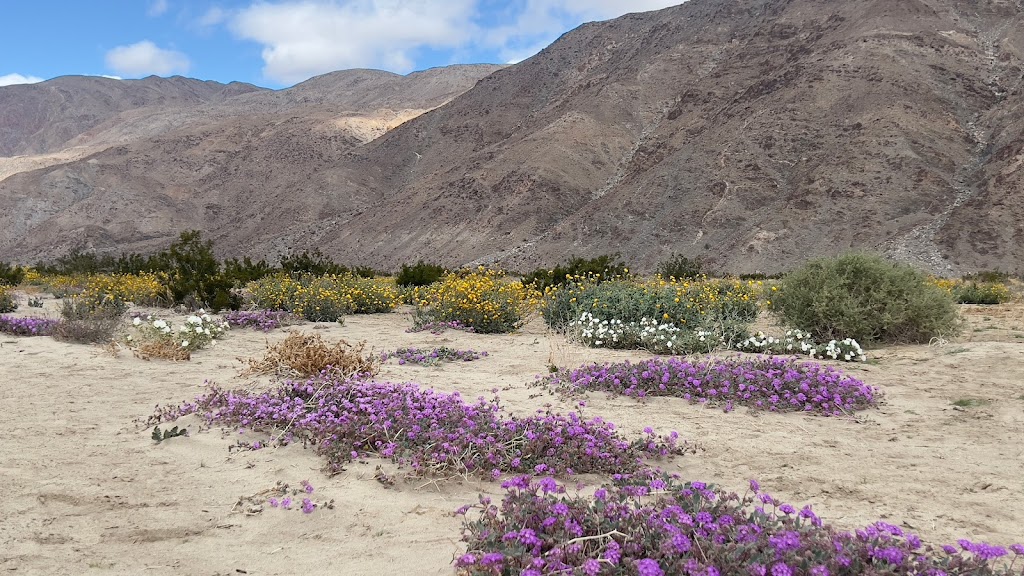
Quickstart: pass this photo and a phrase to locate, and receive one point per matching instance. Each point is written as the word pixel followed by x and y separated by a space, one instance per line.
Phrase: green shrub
pixel 993 276
pixel 7 301
pixel 682 268
pixel 367 272
pixel 722 307
pixel 867 298
pixel 601 268
pixel 241 272
pixel 981 293
pixel 11 275
pixel 483 300
pixel 419 274
pixel 193 274
pixel 313 263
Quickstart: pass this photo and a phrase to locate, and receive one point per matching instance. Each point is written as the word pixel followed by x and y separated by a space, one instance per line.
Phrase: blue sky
pixel 278 43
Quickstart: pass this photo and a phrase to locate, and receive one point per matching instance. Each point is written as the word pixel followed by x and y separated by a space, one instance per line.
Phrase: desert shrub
pixel 367 272
pixel 866 298
pixel 604 267
pixel 429 431
pixel 306 355
pixel 982 293
pixel 324 298
pixel 989 276
pixel 314 263
pixel 27 326
pixel 419 274
pixel 87 321
pixel 759 276
pixel 144 289
pixel 78 262
pixel 690 304
pixel 370 295
pixel 62 285
pixel 7 301
pixel 682 267
pixel 194 277
pixel 654 524
pixel 665 317
pixel 482 300
pixel 11 275
pixel 241 272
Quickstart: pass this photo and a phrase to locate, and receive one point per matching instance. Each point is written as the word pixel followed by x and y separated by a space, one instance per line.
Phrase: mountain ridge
pixel 753 133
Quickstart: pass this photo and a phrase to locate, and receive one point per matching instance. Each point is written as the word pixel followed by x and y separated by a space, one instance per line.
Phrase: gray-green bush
pixel 867 298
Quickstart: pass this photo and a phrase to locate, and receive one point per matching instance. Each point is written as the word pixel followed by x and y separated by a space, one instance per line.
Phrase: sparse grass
pixel 309 354
pixel 971 402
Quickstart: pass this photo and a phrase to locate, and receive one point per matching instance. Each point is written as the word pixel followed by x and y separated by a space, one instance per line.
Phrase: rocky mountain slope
pixel 239 167
pixel 756 133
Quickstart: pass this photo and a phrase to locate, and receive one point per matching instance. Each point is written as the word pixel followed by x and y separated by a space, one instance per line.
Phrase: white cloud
pixel 537 23
pixel 144 58
pixel 8 79
pixel 157 8
pixel 213 16
pixel 304 38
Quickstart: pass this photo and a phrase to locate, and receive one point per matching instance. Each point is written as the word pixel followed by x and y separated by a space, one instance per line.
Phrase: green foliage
pixel 722 307
pixel 313 263
pixel 599 268
pixel 367 272
pixel 866 298
pixel 483 300
pixel 981 293
pixel 11 275
pixel 419 274
pixel 241 272
pixel 78 262
pixel 7 301
pixel 681 267
pixel 159 436
pixel 194 276
pixel 994 276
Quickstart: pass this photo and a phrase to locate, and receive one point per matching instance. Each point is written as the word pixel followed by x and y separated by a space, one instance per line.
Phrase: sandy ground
pixel 84 490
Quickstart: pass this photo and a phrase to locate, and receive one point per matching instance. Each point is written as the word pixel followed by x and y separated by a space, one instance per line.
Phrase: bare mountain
pixel 46 117
pixel 231 165
pixel 757 133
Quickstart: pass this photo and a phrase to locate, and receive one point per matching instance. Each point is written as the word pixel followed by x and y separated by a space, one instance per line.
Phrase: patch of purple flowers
pixel 265 320
pixel 650 523
pixel 427 430
pixel 766 383
pixel 27 326
pixel 432 357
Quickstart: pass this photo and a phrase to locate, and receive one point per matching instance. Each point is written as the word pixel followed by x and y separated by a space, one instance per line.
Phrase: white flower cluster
pixel 648 333
pixel 198 330
pixel 800 342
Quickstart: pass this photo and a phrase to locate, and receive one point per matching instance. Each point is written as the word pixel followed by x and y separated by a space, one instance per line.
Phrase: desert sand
pixel 84 489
